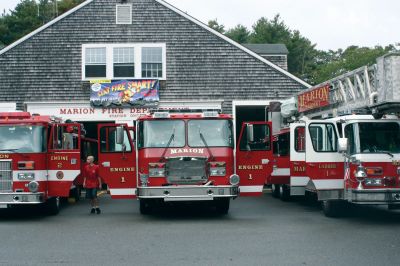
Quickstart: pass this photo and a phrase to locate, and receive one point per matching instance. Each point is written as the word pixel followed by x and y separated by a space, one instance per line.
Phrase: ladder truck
pixel 345 138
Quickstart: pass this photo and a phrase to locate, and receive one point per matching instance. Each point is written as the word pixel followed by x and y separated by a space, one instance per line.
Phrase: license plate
pixel 3 206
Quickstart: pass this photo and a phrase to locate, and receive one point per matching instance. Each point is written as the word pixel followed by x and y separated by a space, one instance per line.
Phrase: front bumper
pixel 188 193
pixel 21 198
pixel 375 196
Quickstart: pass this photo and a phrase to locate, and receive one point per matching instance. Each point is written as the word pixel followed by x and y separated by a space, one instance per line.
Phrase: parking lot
pixel 257 231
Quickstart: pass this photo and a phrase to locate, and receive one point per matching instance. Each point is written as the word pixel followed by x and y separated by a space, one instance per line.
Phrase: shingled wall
pixel 200 65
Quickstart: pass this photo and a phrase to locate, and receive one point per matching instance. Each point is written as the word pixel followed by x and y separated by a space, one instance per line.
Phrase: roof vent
pixel 124 14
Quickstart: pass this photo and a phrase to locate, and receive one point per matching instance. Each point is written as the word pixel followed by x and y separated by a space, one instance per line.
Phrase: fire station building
pixel 113 60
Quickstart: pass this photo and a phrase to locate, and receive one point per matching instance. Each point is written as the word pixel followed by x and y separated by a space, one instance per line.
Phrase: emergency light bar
pixel 161 115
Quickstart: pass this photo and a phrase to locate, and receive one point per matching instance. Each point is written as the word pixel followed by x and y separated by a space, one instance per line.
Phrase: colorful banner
pixel 315 98
pixel 141 93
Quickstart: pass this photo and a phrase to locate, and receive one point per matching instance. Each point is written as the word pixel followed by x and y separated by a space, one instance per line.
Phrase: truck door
pixel 63 160
pixel 325 165
pixel 117 161
pixel 298 176
pixel 254 157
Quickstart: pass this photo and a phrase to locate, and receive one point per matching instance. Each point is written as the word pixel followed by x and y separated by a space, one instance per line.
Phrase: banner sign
pixel 316 98
pixel 140 93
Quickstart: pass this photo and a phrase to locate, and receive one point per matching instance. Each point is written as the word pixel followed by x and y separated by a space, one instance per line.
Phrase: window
pixel 323 137
pixel 378 137
pixel 161 134
pixel 349 134
pixel 108 141
pixel 95 62
pixel 216 133
pixel 152 62
pixel 124 62
pixel 282 145
pixel 23 139
pixel 261 141
pixel 124 14
pixel 299 139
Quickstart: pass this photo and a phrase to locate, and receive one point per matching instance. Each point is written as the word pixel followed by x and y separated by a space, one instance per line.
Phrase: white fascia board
pixel 201 24
pixel 45 26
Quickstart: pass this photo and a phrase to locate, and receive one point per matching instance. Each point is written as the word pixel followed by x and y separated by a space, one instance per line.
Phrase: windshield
pixel 379 137
pixel 216 133
pixel 157 134
pixel 24 139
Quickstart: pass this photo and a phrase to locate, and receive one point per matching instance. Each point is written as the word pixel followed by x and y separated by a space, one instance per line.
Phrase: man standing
pixel 91 182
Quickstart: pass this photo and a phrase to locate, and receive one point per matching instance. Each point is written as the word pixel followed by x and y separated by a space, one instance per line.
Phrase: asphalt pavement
pixel 257 231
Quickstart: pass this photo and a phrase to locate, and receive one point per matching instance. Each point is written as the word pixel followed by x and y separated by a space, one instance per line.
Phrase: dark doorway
pixel 249 113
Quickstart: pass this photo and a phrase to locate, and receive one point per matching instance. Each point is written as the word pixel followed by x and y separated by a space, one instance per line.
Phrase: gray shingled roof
pixel 267 48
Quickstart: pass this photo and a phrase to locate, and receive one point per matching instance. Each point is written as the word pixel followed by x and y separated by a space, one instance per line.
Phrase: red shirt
pixel 92 176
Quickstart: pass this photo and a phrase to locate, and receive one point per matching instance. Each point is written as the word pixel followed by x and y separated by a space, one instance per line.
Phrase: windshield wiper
pixel 9 149
pixel 166 147
pixel 205 143
pixel 387 152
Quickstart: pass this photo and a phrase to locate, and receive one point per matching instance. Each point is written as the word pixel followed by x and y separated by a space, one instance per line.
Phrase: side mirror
pixel 343 144
pixel 120 135
pixel 250 133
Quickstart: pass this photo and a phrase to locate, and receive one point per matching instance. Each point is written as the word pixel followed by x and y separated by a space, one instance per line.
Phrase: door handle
pixel 296 163
pixel 105 164
pixel 311 164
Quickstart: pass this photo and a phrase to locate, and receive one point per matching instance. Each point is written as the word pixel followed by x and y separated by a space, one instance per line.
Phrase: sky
pixel 330 24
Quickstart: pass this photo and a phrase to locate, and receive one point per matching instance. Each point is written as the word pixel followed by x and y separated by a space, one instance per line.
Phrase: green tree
pixel 239 34
pixel 301 51
pixel 216 26
pixel 339 62
pixel 29 15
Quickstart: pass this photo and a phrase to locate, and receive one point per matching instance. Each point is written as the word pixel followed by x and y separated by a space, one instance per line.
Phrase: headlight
pixel 234 180
pixel 26 176
pixel 217 168
pixel 33 186
pixel 373 182
pixel 156 169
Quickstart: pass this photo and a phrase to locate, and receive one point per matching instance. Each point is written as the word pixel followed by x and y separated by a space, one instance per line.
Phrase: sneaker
pixel 93 211
pixel 98 210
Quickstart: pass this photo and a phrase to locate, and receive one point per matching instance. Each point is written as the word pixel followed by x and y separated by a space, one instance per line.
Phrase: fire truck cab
pixel 185 156
pixel 40 158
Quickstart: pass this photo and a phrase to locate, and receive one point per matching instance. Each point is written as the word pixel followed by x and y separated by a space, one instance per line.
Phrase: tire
pixel 275 190
pixel 333 208
pixel 222 206
pixel 53 206
pixel 284 193
pixel 145 206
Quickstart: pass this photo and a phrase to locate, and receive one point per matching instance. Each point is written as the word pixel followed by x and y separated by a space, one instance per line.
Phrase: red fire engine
pixel 40 158
pixel 184 156
pixel 347 158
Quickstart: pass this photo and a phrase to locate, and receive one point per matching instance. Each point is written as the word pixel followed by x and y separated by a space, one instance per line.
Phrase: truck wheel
pixel 275 190
pixel 332 208
pixel 222 206
pixel 145 206
pixel 284 192
pixel 53 206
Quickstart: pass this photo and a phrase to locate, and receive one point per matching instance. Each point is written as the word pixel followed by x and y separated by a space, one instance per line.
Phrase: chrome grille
pixel 186 170
pixel 5 176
